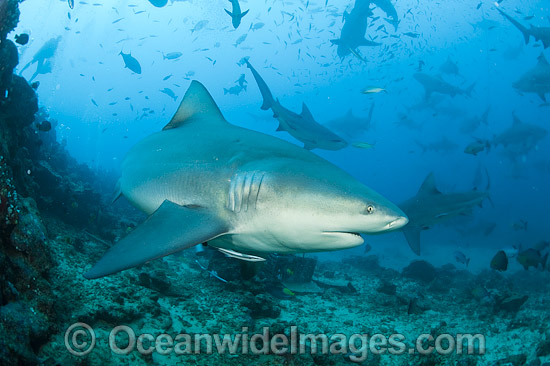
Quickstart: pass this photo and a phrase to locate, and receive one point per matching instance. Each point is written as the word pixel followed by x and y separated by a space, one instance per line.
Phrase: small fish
pixel 167 77
pixel 520 225
pixel 288 292
pixel 94 103
pixel 172 55
pixel 461 258
pixel 44 126
pixel 170 93
pixel 367 249
pixel 71 3
pixel 373 90
pixel 362 145
pixel 116 21
pixel 500 261
pixel 22 39
pixel 200 25
pixel 131 62
pixel 477 146
pixel 479 5
pixel 411 34
pixel 35 85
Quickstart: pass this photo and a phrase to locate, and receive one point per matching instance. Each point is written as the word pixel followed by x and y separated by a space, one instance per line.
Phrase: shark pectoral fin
pixel 244 13
pixel 542 96
pixel 169 229
pixel 228 12
pixel 118 192
pixel 412 234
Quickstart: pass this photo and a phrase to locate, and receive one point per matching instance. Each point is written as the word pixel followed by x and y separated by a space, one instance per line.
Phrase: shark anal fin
pixel 169 229
pixel 412 234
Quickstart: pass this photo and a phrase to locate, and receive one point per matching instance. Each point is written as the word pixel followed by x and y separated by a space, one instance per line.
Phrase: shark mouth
pixel 342 232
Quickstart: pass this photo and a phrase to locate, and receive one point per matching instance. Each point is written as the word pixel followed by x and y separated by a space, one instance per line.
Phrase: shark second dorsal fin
pixel 428 186
pixel 306 114
pixel 197 105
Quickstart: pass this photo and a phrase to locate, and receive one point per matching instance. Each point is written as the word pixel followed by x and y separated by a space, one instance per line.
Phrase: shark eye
pixel 370 209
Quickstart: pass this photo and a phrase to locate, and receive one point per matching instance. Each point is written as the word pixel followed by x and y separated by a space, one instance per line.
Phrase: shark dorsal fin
pixel 306 114
pixel 428 186
pixel 197 105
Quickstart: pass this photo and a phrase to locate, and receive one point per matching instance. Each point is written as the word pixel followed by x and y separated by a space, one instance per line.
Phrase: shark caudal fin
pixel 522 29
pixel 264 89
pixel 169 229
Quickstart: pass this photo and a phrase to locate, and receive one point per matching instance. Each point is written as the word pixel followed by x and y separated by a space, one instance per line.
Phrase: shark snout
pixel 397 223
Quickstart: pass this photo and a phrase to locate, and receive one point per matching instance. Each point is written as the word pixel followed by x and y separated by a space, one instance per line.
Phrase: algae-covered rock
pixel 420 270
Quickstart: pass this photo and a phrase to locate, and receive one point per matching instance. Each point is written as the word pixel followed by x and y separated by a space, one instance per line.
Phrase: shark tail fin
pixel 264 89
pixel 521 28
pixel 412 235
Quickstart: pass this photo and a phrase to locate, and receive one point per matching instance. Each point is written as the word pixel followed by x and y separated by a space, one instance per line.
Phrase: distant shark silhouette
pixel 539 33
pixel 353 31
pixel 303 126
pixel 236 14
pixel 247 194
pixel 387 7
pixel 429 207
pixel 434 84
pixel 536 80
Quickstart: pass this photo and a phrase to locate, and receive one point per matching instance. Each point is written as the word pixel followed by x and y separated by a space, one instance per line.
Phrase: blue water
pixel 87 65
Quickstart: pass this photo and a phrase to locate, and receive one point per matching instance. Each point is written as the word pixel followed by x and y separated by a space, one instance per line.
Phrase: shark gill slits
pixel 244 189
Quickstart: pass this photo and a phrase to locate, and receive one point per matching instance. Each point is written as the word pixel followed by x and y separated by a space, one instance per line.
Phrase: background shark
pixel 236 14
pixel 539 33
pixel 303 126
pixel 434 84
pixel 203 180
pixel 350 126
pixel 429 207
pixel 353 31
pixel 536 80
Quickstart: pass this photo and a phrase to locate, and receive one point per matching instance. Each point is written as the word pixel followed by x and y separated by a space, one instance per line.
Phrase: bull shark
pixel 521 137
pixel 303 126
pixel 245 193
pixel 236 15
pixel 353 31
pixel 536 80
pixel 349 125
pixel 429 207
pixel 434 84
pixel 539 33
pixel 387 7
pixel 470 125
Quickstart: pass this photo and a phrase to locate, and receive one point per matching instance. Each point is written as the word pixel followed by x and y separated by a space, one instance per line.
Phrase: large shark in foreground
pixel 429 207
pixel 248 194
pixel 536 80
pixel 303 126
